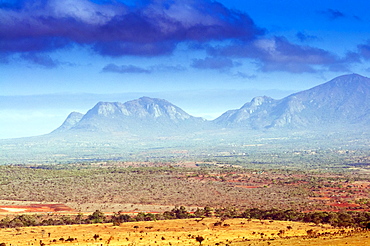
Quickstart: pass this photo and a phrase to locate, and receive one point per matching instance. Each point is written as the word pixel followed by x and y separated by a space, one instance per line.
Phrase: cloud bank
pixel 112 28
pixel 216 63
pixel 32 29
pixel 278 54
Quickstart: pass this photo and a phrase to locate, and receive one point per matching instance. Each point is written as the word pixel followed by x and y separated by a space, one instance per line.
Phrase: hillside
pixel 143 116
pixel 341 102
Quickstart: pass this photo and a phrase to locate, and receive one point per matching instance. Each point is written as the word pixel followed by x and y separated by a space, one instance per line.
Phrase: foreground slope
pixel 185 232
pixel 341 102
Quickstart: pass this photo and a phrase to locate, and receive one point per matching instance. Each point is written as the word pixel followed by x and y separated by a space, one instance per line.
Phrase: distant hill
pixel 141 116
pixel 328 116
pixel 341 102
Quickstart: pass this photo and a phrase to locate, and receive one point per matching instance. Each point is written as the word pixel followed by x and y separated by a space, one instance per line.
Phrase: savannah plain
pixel 185 232
pixel 281 194
pixel 145 194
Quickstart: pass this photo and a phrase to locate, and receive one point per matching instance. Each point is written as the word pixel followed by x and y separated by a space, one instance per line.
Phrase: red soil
pixel 247 187
pixel 319 198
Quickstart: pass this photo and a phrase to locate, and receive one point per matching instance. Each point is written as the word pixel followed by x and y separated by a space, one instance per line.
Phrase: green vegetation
pixel 212 185
pixel 336 219
pixel 319 179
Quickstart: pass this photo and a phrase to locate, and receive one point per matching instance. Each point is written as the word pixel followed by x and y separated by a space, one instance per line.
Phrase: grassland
pixel 185 232
pixel 322 174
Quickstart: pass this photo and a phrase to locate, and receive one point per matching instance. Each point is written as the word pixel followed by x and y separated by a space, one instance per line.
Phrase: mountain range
pixel 342 102
pixel 143 116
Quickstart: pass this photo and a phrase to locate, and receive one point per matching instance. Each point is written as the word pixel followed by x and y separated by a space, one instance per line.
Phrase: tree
pixel 208 211
pixel 180 213
pixel 199 239
pixel 97 217
pixel 78 218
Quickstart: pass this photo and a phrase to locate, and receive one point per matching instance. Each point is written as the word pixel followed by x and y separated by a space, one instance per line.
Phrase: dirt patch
pixel 35 208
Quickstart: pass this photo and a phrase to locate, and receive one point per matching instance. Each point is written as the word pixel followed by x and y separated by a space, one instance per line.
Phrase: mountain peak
pixel 147 107
pixel 105 109
pixel 349 80
pixel 139 116
pixel 344 100
pixel 71 120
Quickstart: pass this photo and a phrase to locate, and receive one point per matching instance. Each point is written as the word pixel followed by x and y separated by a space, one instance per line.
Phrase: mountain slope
pixel 141 116
pixel 343 101
pixel 72 119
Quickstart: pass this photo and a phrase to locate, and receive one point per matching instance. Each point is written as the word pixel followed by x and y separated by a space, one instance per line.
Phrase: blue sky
pixel 58 56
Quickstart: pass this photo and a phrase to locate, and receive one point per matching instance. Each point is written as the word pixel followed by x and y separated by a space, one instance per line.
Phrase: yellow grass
pixel 182 232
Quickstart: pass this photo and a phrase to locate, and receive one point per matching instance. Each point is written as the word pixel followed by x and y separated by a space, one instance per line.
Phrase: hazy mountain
pixel 343 101
pixel 338 112
pixel 141 116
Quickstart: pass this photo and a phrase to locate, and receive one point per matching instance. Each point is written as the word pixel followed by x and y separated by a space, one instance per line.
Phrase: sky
pixel 59 56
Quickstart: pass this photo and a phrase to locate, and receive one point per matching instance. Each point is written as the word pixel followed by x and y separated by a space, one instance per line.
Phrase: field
pixel 185 232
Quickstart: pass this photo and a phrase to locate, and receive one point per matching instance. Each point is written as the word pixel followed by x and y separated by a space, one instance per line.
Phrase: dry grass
pixel 360 239
pixel 182 232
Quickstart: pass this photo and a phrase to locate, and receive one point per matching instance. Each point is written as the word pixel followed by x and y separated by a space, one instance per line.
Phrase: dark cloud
pixel 124 69
pixel 116 48
pixel 217 63
pixel 364 50
pixel 344 64
pixel 278 54
pixel 333 14
pixel 303 37
pixel 352 57
pixel 245 75
pixel 41 59
pixel 149 28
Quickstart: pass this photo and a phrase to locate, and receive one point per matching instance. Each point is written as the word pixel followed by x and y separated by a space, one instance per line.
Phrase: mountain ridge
pixel 143 115
pixel 342 101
